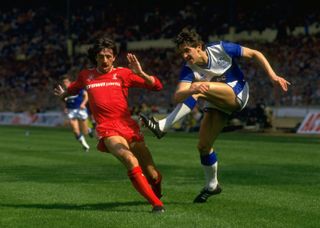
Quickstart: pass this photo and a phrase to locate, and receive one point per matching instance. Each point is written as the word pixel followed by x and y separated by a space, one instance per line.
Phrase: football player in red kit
pixel 119 134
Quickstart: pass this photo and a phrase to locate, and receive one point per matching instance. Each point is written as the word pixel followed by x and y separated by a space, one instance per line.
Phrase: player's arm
pixel 138 78
pixel 182 92
pixel 73 88
pixel 135 66
pixel 85 100
pixel 264 63
pixel 187 89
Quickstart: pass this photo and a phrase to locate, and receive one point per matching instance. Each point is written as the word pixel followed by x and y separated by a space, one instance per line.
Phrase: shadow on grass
pixel 112 206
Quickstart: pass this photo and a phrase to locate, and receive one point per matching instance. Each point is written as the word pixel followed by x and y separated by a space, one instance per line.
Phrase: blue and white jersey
pixel 221 67
pixel 221 64
pixel 74 102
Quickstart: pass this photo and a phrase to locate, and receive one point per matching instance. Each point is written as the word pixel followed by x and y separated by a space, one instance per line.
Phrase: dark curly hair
pixel 100 44
pixel 189 37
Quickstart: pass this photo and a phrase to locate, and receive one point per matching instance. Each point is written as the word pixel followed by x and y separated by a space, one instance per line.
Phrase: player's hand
pixel 196 88
pixel 283 83
pixel 59 91
pixel 134 64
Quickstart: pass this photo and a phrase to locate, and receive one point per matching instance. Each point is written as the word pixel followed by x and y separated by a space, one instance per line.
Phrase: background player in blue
pixel 77 113
pixel 210 73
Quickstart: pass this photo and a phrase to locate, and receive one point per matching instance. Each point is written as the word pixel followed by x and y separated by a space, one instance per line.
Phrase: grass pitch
pixel 46 180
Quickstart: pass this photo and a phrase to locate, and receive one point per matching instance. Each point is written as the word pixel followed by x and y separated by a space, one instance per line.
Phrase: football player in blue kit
pixel 211 73
pixel 76 110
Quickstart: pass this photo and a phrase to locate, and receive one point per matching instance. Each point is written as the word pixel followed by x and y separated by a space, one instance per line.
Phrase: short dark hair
pixel 65 76
pixel 100 44
pixel 189 37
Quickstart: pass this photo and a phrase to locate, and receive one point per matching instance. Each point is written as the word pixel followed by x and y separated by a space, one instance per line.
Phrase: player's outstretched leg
pixel 205 194
pixel 152 124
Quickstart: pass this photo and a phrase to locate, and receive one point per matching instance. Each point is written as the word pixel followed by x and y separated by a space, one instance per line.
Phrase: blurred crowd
pixel 34 51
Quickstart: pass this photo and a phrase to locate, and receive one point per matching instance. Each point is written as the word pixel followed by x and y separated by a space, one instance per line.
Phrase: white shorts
pixel 81 114
pixel 242 99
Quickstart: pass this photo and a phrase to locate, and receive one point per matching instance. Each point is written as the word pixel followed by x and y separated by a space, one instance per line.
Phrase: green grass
pixel 46 180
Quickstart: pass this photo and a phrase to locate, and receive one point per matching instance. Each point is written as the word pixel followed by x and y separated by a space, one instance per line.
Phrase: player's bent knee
pixel 130 160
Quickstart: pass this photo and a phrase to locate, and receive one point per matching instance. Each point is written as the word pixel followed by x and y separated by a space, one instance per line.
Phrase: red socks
pixel 139 181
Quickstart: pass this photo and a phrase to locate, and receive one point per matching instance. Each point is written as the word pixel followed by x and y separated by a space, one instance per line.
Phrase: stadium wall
pixel 306 118
pixel 267 35
pixel 49 119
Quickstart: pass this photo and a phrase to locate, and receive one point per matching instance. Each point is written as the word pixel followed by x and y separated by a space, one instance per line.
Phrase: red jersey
pixel 108 92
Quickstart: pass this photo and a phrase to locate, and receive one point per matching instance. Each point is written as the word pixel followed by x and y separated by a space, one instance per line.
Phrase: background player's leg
pixel 75 127
pixel 84 126
pixel 79 136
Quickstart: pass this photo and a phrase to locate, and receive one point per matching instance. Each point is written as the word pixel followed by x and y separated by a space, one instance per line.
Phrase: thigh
pixel 74 125
pixel 84 126
pixel 211 125
pixel 119 147
pixel 222 95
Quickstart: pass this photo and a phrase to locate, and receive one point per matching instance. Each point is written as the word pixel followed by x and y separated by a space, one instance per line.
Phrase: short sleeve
pixel 186 74
pixel 232 49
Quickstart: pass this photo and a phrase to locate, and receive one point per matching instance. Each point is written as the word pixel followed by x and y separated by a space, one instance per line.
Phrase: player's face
pixel 190 54
pixel 105 59
pixel 66 83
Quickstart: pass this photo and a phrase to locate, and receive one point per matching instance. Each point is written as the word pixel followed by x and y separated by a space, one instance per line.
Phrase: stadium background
pixel 42 40
pixel 46 180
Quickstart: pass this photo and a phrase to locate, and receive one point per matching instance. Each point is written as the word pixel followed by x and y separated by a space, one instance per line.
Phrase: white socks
pixel 210 166
pixel 180 111
pixel 83 142
pixel 210 173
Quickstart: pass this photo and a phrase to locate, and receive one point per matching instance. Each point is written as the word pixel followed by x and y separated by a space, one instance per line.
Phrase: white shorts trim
pixel 243 96
pixel 242 99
